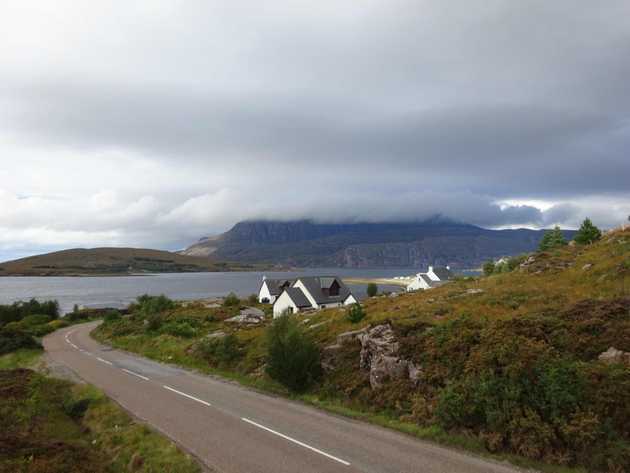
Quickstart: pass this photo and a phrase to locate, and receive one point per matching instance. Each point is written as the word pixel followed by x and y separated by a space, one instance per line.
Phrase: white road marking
pixel 135 374
pixel 297 442
pixel 104 361
pixel 187 395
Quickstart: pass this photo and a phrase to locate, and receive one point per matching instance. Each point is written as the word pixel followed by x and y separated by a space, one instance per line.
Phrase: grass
pixel 54 426
pixel 20 359
pixel 554 283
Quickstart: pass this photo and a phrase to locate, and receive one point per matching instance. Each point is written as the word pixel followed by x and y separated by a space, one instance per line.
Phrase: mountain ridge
pixel 305 243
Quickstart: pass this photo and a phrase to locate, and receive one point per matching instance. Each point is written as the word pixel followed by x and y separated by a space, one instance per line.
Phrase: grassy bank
pixel 51 425
pixel 508 364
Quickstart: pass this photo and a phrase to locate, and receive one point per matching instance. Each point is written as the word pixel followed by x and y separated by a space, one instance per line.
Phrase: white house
pixel 311 293
pixel 435 276
pixel 270 289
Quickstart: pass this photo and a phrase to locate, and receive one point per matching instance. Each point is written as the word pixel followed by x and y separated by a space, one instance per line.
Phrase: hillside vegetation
pixel 507 364
pixel 112 261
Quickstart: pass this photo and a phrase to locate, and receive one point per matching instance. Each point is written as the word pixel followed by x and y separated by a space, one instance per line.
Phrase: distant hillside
pixel 363 245
pixel 110 261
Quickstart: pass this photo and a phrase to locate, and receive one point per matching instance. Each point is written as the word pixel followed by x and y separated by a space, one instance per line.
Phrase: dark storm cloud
pixel 205 113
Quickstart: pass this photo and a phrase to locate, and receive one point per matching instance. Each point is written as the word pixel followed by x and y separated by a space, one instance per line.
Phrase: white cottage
pixel 270 289
pixel 311 293
pixel 435 276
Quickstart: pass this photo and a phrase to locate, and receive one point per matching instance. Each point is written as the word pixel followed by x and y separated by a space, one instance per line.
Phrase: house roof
pixel 430 281
pixel 298 297
pixel 316 285
pixel 274 285
pixel 443 273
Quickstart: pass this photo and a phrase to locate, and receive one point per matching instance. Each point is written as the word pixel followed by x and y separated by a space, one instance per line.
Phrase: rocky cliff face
pixel 415 245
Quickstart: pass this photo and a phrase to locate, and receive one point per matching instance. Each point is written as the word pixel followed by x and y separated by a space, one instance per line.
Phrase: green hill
pixel 111 261
pixel 516 364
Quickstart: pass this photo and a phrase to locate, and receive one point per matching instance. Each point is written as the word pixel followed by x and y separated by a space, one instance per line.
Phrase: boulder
pixel 246 319
pixel 587 266
pixel 612 355
pixel 384 368
pixel 380 356
pixel 345 336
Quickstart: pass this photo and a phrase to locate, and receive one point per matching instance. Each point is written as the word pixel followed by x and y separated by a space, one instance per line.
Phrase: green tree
pixel 372 289
pixel 355 313
pixel 588 233
pixel 293 359
pixel 552 239
pixel 488 268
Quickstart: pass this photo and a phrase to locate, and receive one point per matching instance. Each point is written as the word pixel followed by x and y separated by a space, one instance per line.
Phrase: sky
pixel 154 123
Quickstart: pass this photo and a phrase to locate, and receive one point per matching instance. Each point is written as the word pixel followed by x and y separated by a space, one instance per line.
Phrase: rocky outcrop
pixel 612 355
pixel 248 316
pixel 380 356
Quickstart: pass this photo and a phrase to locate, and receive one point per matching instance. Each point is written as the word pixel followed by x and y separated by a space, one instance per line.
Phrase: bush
pixel 293 359
pixel 372 289
pixel 112 316
pixel 231 300
pixel 148 305
pixel 35 319
pixel 19 310
pixel 252 299
pixel 355 313
pixel 221 350
pixel 179 329
pixel 552 239
pixel 588 233
pixel 76 409
pixel 11 340
pixel 488 268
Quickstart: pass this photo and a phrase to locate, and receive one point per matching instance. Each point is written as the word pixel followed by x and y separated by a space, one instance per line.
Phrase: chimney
pixel 264 277
pixel 430 269
pixel 448 267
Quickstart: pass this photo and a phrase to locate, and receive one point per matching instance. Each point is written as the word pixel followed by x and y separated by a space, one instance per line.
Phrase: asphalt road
pixel 236 430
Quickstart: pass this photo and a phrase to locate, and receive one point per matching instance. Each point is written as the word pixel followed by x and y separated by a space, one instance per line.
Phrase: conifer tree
pixel 588 233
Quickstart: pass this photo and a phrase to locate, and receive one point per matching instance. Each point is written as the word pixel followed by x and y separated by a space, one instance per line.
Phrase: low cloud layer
pixel 155 123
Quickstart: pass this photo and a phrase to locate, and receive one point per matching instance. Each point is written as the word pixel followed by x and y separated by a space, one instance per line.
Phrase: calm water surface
pixel 114 291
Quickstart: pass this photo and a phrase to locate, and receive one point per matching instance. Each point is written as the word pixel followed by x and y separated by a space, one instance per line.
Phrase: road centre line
pixel 297 442
pixel 187 395
pixel 104 361
pixel 135 374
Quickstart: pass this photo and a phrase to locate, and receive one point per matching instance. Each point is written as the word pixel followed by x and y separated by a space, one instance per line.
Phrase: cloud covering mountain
pixel 156 122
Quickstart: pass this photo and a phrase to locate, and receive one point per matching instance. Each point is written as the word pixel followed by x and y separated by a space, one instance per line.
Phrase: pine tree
pixel 552 239
pixel 588 233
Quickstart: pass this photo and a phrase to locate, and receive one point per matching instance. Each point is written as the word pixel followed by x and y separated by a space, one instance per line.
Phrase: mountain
pixel 304 243
pixel 111 261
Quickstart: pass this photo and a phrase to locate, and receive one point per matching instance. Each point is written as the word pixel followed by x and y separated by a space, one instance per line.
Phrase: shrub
pixel 488 268
pixel 11 340
pixel 552 239
pixel 76 409
pixel 112 316
pixel 148 305
pixel 179 329
pixel 588 233
pixel 355 313
pixel 19 310
pixel 372 289
pixel 231 300
pixel 252 299
pixel 293 359
pixel 222 350
pixel 35 319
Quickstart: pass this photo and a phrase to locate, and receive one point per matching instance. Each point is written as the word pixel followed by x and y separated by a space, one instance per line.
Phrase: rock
pixel 474 291
pixel 414 373
pixel 384 368
pixel 215 335
pixel 612 355
pixel 319 324
pixel 344 337
pixel 587 266
pixel 329 355
pixel 572 243
pixel 378 341
pixel 252 311
pixel 246 319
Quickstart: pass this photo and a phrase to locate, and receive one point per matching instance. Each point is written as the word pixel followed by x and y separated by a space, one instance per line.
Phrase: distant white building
pixel 435 276
pixel 305 293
